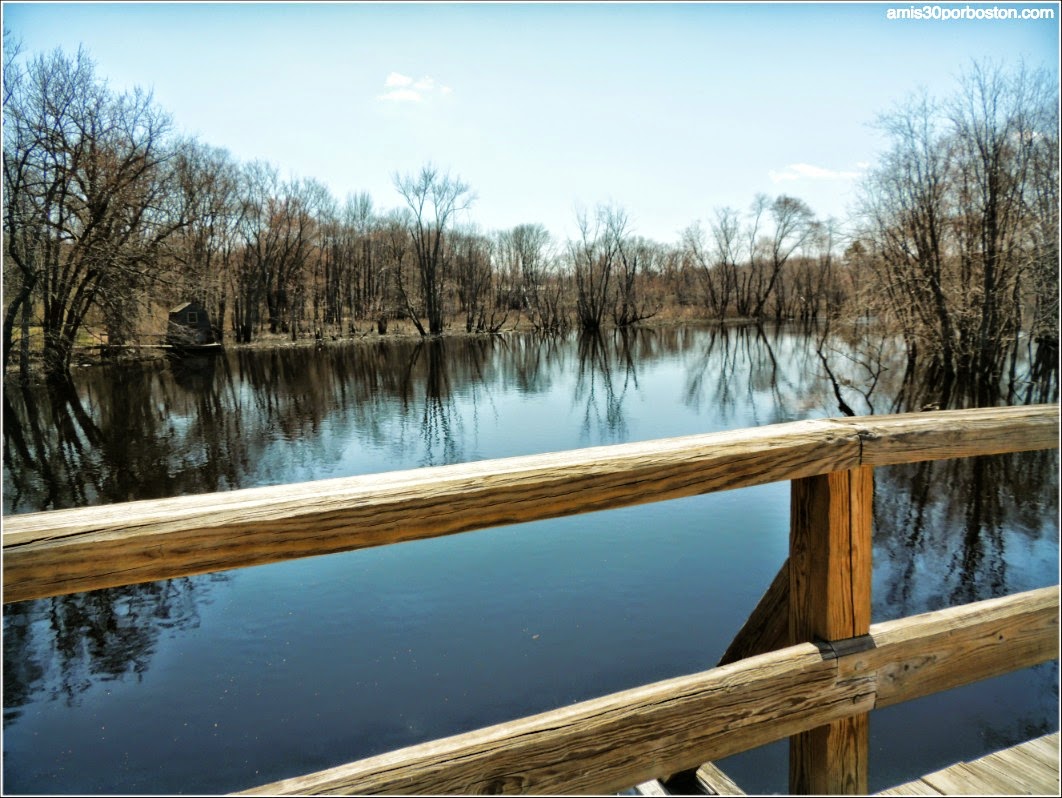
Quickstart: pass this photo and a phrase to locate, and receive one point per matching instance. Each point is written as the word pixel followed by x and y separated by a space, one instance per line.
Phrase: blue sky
pixel 668 110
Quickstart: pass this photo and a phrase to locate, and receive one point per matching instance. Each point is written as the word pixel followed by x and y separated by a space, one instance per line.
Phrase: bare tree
pixel 906 207
pixel 716 260
pixel 593 259
pixel 522 255
pixel 1043 234
pixel 434 199
pixel 749 281
pixel 279 236
pixel 398 257
pixel 327 269
pixel 792 224
pixel 638 260
pixel 696 257
pixel 352 277
pixel 526 257
pixel 87 175
pixel 816 284
pixel 996 118
pixel 958 217
pixel 203 253
pixel 368 293
pixel 473 256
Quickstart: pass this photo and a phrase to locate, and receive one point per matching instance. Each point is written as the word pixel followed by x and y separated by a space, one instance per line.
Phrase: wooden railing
pixel 808 664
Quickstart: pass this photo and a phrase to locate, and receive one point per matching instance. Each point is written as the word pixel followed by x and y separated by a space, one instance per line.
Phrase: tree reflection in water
pixel 950 532
pixel 66 644
pixel 946 532
pixel 596 385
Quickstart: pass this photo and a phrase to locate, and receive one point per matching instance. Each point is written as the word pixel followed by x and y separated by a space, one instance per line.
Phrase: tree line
pixel 111 215
pixel 959 222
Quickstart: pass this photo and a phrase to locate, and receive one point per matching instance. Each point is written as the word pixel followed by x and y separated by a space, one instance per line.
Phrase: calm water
pixel 222 682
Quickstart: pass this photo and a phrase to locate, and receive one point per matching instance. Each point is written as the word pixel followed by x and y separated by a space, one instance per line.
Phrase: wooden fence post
pixel 829 600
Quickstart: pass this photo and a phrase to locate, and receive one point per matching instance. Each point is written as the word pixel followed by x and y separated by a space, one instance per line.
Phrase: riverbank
pixel 364 333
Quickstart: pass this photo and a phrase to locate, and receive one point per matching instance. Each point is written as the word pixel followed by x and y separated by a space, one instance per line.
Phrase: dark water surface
pixel 222 682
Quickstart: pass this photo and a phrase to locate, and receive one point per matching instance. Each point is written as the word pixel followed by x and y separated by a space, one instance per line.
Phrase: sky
pixel 667 111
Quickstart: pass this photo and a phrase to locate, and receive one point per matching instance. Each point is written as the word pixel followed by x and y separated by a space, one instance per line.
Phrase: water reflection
pixel 194 372
pixel 600 391
pixel 64 645
pixel 733 365
pixel 441 431
pixel 954 531
pixel 946 532
pixel 209 423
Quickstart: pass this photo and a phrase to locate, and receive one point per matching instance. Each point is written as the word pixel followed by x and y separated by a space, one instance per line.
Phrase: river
pixel 221 682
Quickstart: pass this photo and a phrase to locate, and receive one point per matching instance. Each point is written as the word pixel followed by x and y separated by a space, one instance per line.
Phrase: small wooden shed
pixel 189 325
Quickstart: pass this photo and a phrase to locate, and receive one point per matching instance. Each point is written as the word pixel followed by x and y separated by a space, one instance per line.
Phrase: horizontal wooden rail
pixel 947 434
pixel 609 743
pixel 67 551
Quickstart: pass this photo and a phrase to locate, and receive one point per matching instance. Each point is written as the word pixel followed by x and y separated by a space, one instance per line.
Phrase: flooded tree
pixel 594 258
pixel 791 225
pixel 88 179
pixel 279 236
pixel 434 199
pixel 525 255
pixel 956 246
pixel 811 288
pixel 714 257
pixel 638 259
pixel 742 264
pixel 955 219
pixel 476 282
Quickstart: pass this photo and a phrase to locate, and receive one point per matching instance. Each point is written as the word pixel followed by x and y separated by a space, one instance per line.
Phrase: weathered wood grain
pixel 606 744
pixel 916 787
pixel 714 781
pixel 707 779
pixel 970 778
pixel 652 787
pixel 829 600
pixel 1046 747
pixel 830 555
pixel 1021 759
pixel 1000 768
pixel 831 759
pixel 936 651
pixel 631 737
pixel 943 434
pixel 1029 768
pixel 82 549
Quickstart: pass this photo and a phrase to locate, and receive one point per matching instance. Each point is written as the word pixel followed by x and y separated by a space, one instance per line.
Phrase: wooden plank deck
pixel 708 779
pixel 1031 768
pixel 1027 769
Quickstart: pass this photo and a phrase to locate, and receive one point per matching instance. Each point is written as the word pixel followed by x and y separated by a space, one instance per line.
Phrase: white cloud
pixel 401 95
pixel 397 79
pixel 806 171
pixel 404 89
